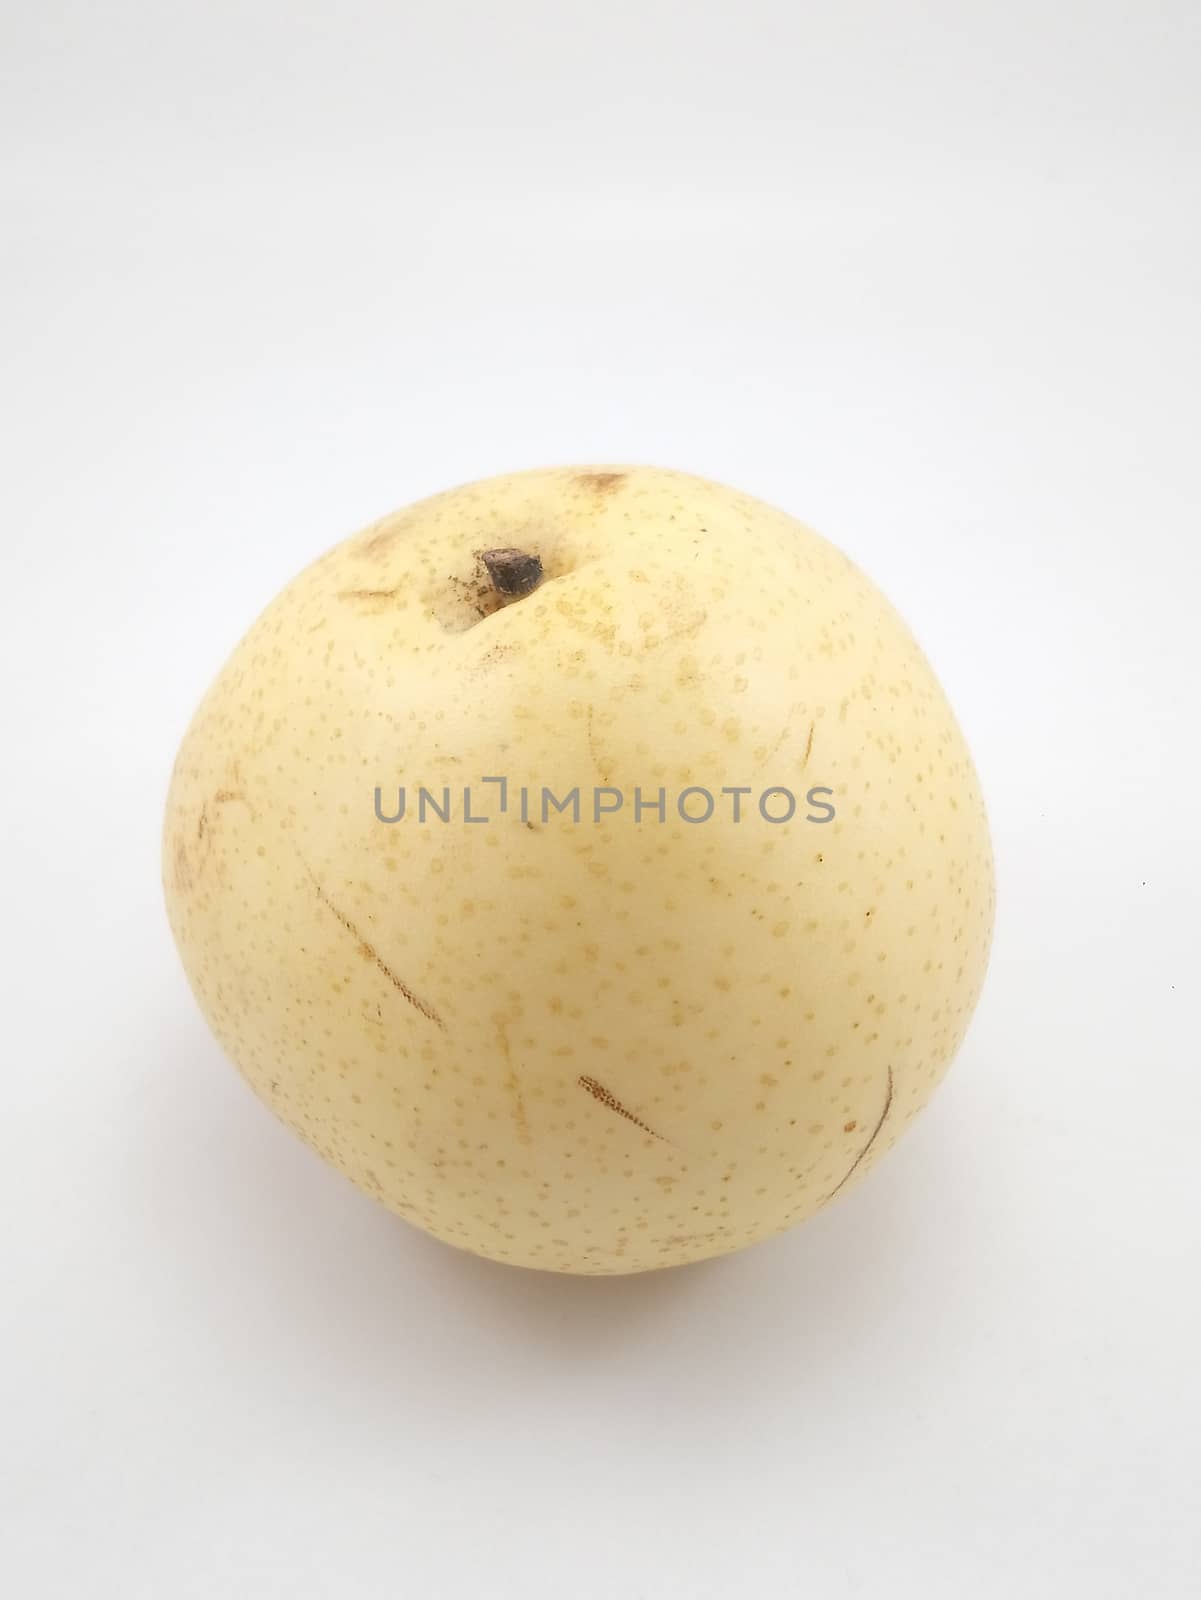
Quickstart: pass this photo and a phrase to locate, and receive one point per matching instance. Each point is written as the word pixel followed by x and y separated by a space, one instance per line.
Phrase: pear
pixel 588 864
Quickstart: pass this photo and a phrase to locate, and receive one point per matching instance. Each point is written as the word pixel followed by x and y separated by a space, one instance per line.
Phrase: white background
pixel 925 275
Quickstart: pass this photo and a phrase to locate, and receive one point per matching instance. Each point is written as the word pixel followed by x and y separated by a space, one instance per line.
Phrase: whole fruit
pixel 480 858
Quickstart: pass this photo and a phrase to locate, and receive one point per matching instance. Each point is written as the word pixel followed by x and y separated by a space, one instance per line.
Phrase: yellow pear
pixel 588 864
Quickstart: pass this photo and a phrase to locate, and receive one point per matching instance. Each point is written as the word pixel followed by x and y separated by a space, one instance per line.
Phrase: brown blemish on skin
pixel 235 795
pixel 513 1085
pixel 227 797
pixel 478 595
pixel 779 741
pixel 874 1136
pixel 190 868
pixel 183 869
pixel 367 594
pixel 600 482
pixel 494 655
pixel 369 953
pixel 610 1100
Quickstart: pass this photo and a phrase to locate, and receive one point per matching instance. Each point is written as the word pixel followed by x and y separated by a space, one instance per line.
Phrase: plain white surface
pixel 926 276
